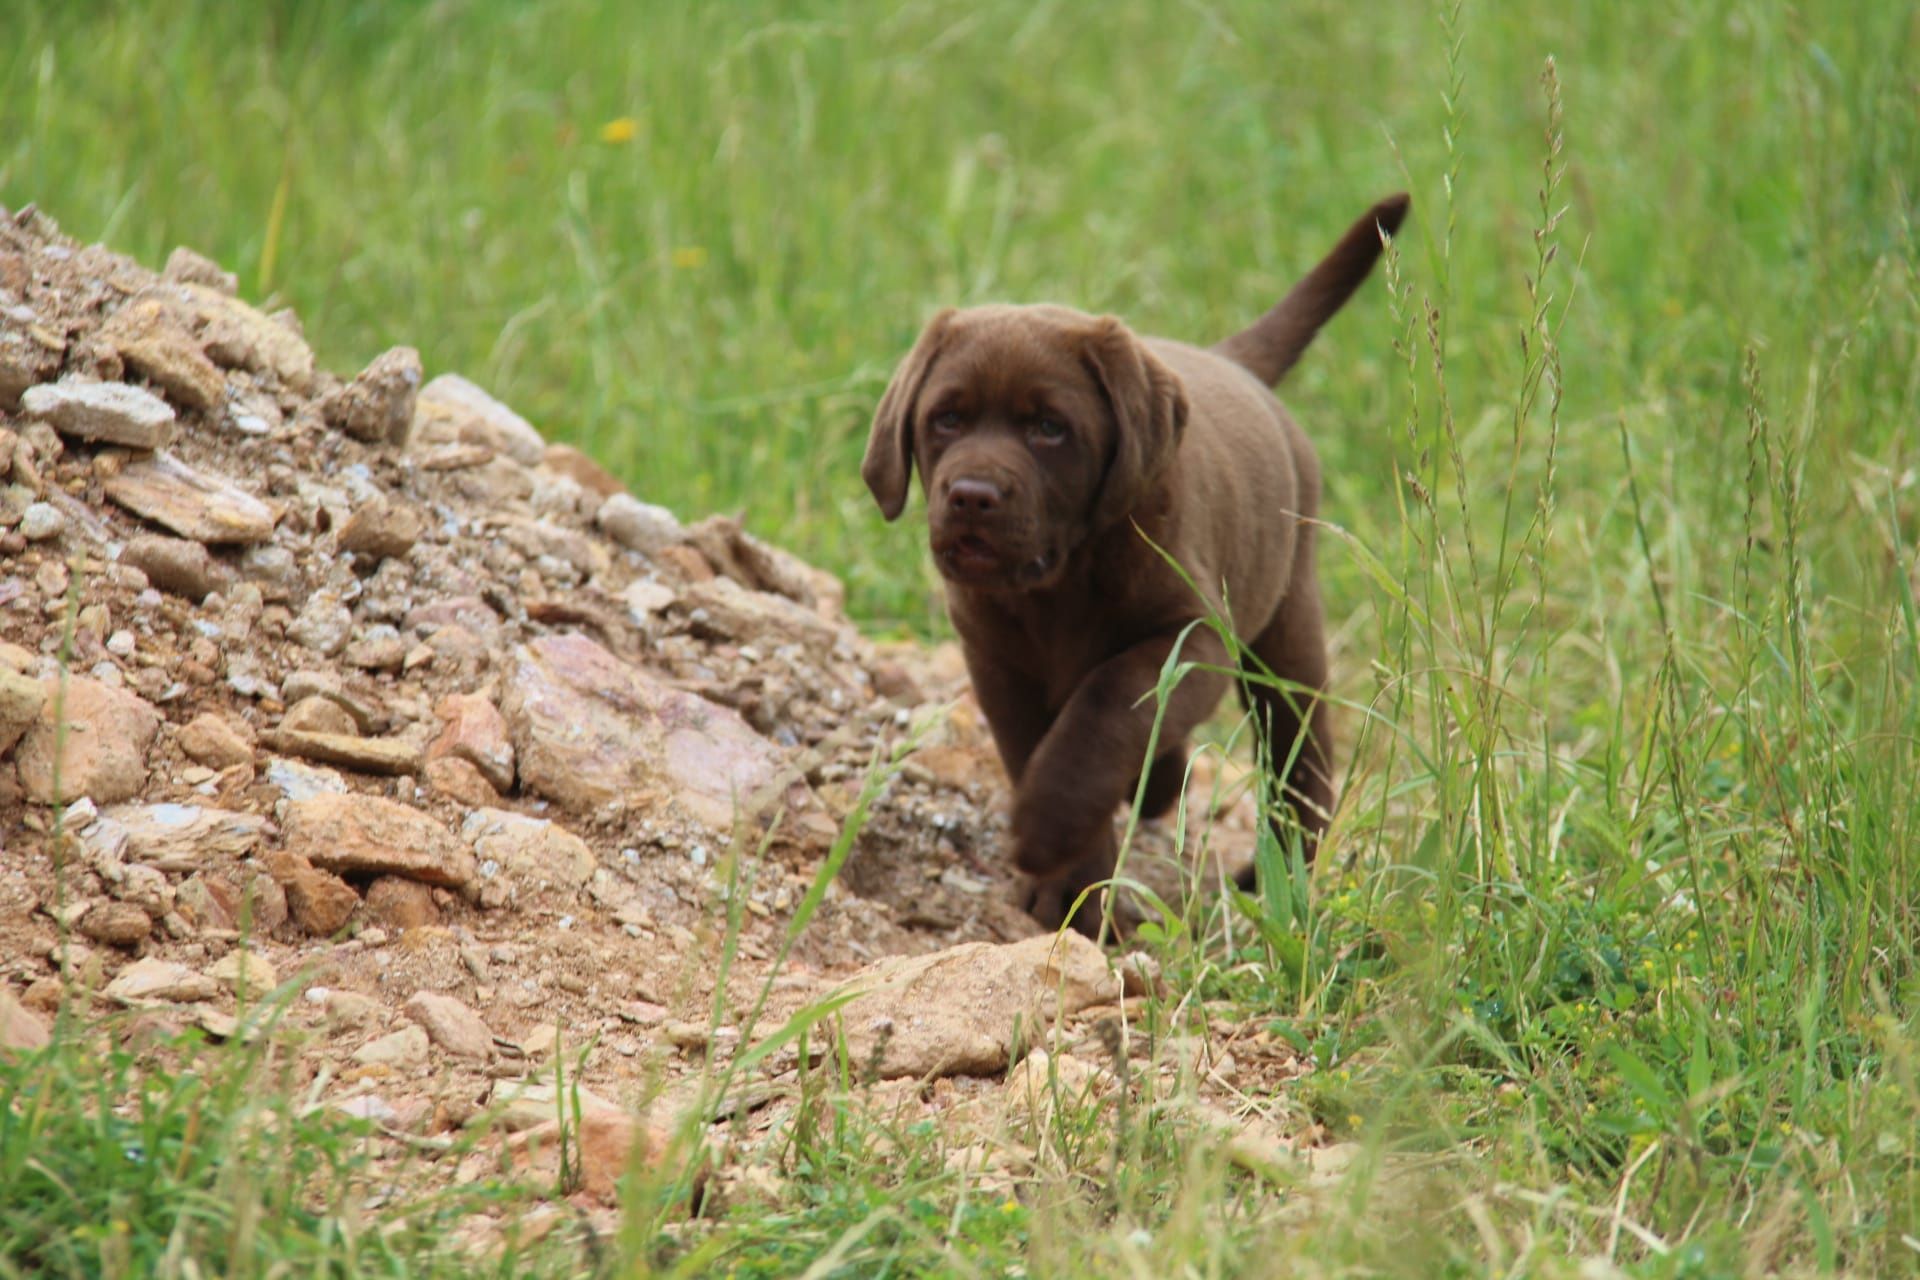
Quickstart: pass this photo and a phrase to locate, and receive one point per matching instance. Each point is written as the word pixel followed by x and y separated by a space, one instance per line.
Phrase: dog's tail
pixel 1272 343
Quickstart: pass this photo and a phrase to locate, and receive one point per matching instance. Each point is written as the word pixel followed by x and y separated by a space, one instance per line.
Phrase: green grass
pixel 1617 931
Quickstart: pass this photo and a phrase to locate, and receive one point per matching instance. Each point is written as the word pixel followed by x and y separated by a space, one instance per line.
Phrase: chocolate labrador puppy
pixel 1058 450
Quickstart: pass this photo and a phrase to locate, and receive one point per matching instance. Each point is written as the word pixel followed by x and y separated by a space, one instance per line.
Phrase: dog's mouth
pixel 974 559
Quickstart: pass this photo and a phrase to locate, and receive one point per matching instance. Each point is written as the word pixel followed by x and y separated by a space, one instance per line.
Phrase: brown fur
pixel 1049 442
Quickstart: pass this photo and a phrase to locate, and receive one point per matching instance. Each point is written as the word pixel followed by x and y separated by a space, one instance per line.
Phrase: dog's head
pixel 1033 429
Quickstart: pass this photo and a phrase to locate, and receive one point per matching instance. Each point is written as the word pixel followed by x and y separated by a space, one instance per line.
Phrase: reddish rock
pixel 369 836
pixel 118 924
pixel 109 733
pixel 21 700
pixel 378 405
pixel 477 733
pixel 194 505
pixel 589 728
pixel 319 902
pixel 606 1144
pixel 451 1025
pixel 21 1030
pixel 317 714
pixel 215 741
pixel 401 904
pixel 381 529
pixel 460 780
pixel 564 459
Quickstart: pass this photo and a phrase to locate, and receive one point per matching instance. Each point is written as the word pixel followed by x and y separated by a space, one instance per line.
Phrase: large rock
pixel 589 728
pixel 378 405
pixel 205 508
pixel 104 752
pixel 959 1011
pixel 529 849
pixel 21 698
pixel 183 837
pixel 384 756
pixel 212 740
pixel 108 412
pixel 451 410
pixel 21 1030
pixel 153 979
pixel 239 336
pixel 356 835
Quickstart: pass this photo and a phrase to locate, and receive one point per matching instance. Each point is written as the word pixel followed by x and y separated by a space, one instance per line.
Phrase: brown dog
pixel 1049 442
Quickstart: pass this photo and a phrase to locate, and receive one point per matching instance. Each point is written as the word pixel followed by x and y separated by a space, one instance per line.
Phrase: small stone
pixel 452 410
pixel 324 625
pixel 476 732
pixel 117 924
pixel 402 904
pixel 178 565
pixel 205 508
pixel 106 412
pixel 245 970
pixel 154 979
pixel 208 901
pixel 184 266
pixel 103 749
pixel 315 714
pixel 214 741
pixel 406 1047
pixel 451 1025
pixel 319 901
pixel 638 526
pixel 462 781
pixel 380 649
pixel 350 1008
pixel 380 529
pixel 365 711
pixel 121 644
pixel 387 757
pixel 369 836
pixel 41 521
pixel 378 405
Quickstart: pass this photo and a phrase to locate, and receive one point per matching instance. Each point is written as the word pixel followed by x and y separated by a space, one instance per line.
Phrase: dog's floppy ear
pixel 1149 412
pixel 889 462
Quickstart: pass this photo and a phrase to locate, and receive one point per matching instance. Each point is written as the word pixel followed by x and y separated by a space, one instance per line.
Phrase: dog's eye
pixel 944 422
pixel 1051 430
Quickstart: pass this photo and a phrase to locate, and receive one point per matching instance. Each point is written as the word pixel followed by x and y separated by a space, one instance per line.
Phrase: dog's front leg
pixel 1091 757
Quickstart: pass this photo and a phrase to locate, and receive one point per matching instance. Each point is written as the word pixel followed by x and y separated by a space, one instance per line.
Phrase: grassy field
pixel 1612 960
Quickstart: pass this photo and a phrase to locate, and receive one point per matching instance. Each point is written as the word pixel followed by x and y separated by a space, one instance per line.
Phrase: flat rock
pixel 179 565
pixel 589 728
pixel 363 707
pixel 160 980
pixel 106 412
pixel 450 1024
pixel 529 849
pixel 381 528
pixel 370 836
pixel 477 733
pixel 184 266
pixel 175 496
pixel 21 1029
pixel 452 410
pixel 377 406
pixel 21 698
pixel 604 1145
pixel 245 970
pixel 728 611
pixel 154 339
pixel 108 735
pixel 319 901
pixel 958 1011
pixel 518 1105
pixel 184 837
pixel 384 756
pixel 406 1047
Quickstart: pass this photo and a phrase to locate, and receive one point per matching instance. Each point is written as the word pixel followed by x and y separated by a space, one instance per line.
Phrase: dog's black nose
pixel 974 497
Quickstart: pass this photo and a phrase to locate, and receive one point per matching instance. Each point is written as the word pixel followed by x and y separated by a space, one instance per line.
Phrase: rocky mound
pixel 365 686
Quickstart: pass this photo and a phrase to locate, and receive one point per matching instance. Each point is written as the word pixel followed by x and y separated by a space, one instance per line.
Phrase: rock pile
pixel 364 686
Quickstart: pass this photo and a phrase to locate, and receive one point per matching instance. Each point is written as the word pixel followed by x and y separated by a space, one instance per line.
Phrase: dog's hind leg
pixel 1294 724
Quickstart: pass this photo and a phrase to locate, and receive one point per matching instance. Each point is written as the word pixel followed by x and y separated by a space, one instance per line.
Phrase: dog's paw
pixel 1049 901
